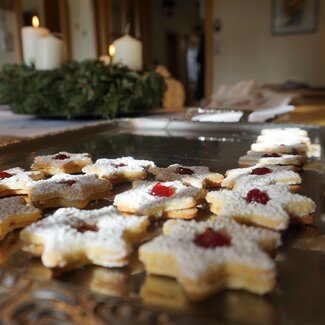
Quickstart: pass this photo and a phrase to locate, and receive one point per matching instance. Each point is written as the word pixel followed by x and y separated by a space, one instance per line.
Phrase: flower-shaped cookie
pixel 71 238
pixel 61 162
pixel 15 213
pixel 68 190
pixel 209 256
pixel 120 169
pixel 17 180
pixel 272 206
pixel 261 175
pixel 168 199
pixel 198 176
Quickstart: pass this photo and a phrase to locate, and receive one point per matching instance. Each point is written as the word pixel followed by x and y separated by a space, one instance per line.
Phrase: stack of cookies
pixel 232 246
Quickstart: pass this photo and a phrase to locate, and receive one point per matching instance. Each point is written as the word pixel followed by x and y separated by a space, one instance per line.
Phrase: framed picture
pixel 294 16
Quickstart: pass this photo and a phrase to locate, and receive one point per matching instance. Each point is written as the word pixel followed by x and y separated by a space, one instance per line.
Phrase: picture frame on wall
pixel 294 16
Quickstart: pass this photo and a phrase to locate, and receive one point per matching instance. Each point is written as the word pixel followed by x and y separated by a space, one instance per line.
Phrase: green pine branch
pixel 88 88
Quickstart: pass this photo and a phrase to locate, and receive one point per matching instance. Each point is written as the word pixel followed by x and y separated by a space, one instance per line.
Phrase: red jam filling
pixel 4 175
pixel 61 156
pixel 184 171
pixel 261 171
pixel 161 190
pixel 271 155
pixel 211 239
pixel 119 165
pixel 255 195
pixel 69 182
pixel 83 227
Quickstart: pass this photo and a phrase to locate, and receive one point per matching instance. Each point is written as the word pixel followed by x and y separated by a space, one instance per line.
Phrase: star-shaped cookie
pixel 61 162
pixel 209 256
pixel 270 158
pixel 261 175
pixel 71 238
pixel 198 176
pixel 15 181
pixel 168 199
pixel 68 190
pixel 271 206
pixel 120 169
pixel 15 213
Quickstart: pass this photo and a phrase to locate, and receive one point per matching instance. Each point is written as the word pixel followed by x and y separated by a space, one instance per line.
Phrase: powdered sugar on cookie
pixel 69 188
pixel 17 180
pixel 15 213
pixel 15 205
pixel 72 236
pixel 266 158
pixel 121 169
pixel 142 201
pixel 198 251
pixel 285 132
pixel 198 176
pixel 295 148
pixel 268 206
pixel 61 162
pixel 260 175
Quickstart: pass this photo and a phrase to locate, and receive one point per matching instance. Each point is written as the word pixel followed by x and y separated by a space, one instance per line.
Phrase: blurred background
pixel 202 43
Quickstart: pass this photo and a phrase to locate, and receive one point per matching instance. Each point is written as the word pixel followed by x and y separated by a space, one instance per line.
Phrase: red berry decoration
pixel 184 171
pixel 161 190
pixel 83 227
pixel 211 239
pixel 119 165
pixel 261 171
pixel 61 156
pixel 271 155
pixel 4 175
pixel 255 195
pixel 69 182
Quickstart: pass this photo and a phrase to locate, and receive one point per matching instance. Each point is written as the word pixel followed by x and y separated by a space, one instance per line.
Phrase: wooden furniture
pixel 305 114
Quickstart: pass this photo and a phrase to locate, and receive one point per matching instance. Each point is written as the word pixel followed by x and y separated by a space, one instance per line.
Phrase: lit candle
pixel 128 51
pixel 111 52
pixel 108 59
pixel 29 37
pixel 49 52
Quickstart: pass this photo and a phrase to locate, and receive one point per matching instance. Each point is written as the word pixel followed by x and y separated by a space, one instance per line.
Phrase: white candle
pixel 29 36
pixel 128 51
pixel 49 53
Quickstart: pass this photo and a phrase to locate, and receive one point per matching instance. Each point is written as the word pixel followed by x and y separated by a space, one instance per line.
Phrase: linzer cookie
pixel 261 175
pixel 272 206
pixel 281 138
pixel 168 199
pixel 16 181
pixel 198 176
pixel 120 169
pixel 207 257
pixel 15 214
pixel 62 162
pixel 71 238
pixel 280 147
pixel 285 132
pixel 68 191
pixel 270 158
